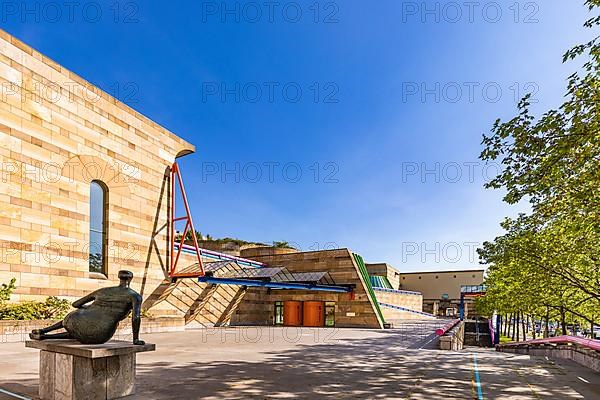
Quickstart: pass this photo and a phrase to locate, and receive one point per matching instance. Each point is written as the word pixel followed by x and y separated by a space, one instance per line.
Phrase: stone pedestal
pixel 70 370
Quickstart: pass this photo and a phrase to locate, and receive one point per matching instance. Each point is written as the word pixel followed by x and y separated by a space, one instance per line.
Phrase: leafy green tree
pixel 548 262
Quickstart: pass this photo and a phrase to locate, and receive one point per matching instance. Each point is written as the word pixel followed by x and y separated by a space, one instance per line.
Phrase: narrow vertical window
pixel 98 228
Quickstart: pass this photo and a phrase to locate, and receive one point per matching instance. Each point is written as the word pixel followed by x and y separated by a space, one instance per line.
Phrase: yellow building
pixel 441 289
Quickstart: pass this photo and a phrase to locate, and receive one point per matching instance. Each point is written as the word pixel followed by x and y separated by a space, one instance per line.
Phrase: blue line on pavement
pixel 477 381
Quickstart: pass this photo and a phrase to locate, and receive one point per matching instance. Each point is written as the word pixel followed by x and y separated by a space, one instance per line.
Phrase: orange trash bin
pixel 314 313
pixel 292 313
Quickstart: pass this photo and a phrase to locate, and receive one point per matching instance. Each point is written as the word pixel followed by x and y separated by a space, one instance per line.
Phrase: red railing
pixel 589 343
pixel 442 331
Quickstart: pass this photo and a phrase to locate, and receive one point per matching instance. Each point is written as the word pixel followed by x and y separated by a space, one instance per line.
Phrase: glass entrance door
pixel 278 313
pixel 329 313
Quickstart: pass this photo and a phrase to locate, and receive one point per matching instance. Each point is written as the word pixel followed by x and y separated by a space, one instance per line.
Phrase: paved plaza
pixel 274 362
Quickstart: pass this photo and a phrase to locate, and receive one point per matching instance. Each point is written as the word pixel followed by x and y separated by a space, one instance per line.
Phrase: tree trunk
pixel 517 325
pixel 563 323
pixel 512 323
pixel 547 323
pixel 533 325
pixel 524 324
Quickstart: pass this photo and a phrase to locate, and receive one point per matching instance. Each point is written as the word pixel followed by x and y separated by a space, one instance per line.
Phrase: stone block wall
pixel 412 301
pixel 393 315
pixel 258 251
pixel 582 355
pixel 255 309
pixel 18 331
pixel 454 339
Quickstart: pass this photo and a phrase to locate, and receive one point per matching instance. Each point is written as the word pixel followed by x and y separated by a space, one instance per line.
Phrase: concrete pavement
pixel 268 362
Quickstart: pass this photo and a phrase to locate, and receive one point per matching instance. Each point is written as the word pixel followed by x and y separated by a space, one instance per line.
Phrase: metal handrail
pixel 444 329
pixel 221 256
pixel 400 308
pixel 589 343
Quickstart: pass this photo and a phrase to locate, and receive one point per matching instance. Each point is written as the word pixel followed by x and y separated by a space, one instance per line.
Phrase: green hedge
pixel 52 308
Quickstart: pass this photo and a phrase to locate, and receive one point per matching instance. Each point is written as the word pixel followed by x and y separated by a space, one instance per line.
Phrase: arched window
pixel 98 226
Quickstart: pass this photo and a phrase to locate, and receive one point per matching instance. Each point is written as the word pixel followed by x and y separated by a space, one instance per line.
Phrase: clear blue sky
pixel 389 91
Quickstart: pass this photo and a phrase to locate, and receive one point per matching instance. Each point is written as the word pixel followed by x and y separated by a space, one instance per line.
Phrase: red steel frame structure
pixel 189 226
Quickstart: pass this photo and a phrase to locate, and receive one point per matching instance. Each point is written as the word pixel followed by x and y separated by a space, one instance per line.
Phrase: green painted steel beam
pixel 365 275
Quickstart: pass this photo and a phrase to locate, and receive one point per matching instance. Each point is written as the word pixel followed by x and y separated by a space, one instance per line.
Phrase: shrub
pixel 6 290
pixel 283 245
pixel 238 242
pixel 52 308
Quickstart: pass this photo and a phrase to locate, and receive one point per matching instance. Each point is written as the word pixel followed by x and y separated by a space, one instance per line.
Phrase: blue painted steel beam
pixel 274 285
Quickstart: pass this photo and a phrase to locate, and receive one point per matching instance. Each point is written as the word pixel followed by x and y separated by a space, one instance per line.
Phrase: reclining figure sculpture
pixel 97 322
